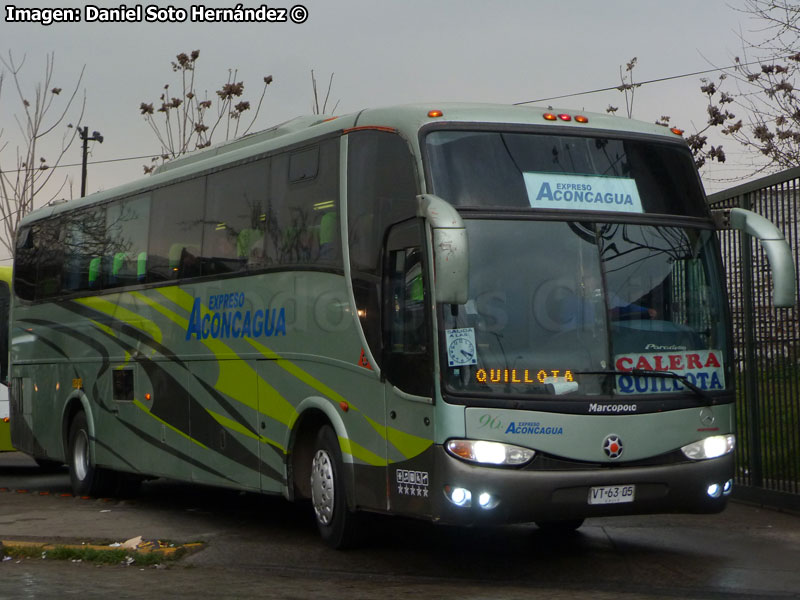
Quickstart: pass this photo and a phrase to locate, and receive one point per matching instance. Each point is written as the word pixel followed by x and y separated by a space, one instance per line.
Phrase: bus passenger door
pixel 408 369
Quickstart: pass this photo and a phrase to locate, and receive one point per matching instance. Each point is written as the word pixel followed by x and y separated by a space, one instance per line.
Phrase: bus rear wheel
pixel 85 478
pixel 337 525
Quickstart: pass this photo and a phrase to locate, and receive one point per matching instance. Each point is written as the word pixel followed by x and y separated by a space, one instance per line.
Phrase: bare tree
pixel 185 122
pixel 698 141
pixel 762 87
pixel 628 87
pixel 316 108
pixel 29 173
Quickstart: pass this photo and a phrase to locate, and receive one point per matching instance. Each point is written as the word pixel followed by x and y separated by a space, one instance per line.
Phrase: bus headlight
pixel 710 447
pixel 489 453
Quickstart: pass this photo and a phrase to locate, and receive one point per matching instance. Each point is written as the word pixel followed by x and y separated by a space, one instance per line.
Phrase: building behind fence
pixel 766 346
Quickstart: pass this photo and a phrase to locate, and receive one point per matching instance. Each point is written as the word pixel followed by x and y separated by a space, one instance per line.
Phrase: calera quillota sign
pixel 704 368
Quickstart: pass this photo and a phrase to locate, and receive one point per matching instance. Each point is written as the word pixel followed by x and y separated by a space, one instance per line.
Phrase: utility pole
pixel 96 137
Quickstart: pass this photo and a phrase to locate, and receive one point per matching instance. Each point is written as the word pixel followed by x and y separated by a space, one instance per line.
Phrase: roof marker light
pixel 435 113
pixel 676 131
pixel 549 117
pixel 582 119
pixel 565 117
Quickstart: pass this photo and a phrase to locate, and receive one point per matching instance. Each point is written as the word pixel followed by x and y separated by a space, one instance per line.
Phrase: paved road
pixel 265 547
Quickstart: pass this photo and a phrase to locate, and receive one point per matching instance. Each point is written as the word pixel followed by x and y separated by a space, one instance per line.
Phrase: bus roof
pixel 406 119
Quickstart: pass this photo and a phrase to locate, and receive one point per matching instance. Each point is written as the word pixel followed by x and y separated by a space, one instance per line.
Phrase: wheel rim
pixel 80 455
pixel 322 488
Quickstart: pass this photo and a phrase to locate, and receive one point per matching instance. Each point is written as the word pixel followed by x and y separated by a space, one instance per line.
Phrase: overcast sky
pixel 383 52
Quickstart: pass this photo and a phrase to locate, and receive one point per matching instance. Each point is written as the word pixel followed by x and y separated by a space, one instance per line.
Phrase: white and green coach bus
pixel 463 313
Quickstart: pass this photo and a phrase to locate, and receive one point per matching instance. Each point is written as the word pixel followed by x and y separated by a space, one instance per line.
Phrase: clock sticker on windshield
pixel 461 347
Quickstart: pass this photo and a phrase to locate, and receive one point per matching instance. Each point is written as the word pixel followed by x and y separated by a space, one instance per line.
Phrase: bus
pixel 468 314
pixel 5 299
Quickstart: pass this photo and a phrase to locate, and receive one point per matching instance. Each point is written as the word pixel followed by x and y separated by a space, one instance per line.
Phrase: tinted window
pixel 51 250
pixel 127 224
pixel 235 221
pixel 25 262
pixel 176 231
pixel 381 191
pixel 302 219
pixel 86 250
pixel 485 169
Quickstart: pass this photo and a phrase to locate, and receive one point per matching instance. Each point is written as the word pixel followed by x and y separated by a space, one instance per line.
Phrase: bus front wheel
pixel 337 526
pixel 85 478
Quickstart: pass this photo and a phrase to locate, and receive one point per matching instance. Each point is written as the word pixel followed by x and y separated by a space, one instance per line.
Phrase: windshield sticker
pixel 703 368
pixel 461 349
pixel 582 192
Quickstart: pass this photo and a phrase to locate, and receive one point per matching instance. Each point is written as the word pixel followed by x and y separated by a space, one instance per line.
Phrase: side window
pixel 5 299
pixel 381 190
pixel 406 322
pixel 85 250
pixel 50 250
pixel 26 262
pixel 235 219
pixel 176 231
pixel 302 219
pixel 126 257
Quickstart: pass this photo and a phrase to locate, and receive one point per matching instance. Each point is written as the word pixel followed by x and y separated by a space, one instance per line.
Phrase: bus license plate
pixel 611 494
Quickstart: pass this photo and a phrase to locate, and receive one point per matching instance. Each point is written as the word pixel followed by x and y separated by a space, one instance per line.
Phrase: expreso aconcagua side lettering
pixel 235 324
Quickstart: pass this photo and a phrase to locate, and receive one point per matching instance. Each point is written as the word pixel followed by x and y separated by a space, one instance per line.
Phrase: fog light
pixel 487 502
pixel 728 487
pixel 714 490
pixel 459 496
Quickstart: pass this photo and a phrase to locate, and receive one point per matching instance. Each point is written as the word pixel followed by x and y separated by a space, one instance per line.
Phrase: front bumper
pixel 526 495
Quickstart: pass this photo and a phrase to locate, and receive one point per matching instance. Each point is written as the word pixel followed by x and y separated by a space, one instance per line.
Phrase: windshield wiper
pixel 650 373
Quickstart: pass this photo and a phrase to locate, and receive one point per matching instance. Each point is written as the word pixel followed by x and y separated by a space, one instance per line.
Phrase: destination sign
pixel 703 368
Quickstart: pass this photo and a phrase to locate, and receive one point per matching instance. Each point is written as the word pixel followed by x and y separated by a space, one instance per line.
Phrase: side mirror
pixel 779 255
pixel 450 249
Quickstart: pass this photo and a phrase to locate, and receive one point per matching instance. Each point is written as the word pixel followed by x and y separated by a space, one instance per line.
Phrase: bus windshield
pixel 563 172
pixel 612 300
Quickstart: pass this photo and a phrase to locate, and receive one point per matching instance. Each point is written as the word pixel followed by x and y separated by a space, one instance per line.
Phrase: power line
pixel 92 162
pixel 659 80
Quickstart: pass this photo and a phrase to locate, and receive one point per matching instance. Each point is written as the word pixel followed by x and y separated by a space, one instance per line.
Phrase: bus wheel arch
pixel 301 449
pixel 86 478
pixel 339 526
pixel 77 403
pixel 316 471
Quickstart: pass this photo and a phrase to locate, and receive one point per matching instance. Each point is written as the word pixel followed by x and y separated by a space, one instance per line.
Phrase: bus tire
pixel 85 478
pixel 337 525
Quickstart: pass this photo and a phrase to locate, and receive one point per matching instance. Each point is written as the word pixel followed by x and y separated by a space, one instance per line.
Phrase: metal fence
pixel 766 344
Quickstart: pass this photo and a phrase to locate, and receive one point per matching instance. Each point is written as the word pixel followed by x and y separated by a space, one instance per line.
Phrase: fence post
pixel 756 478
